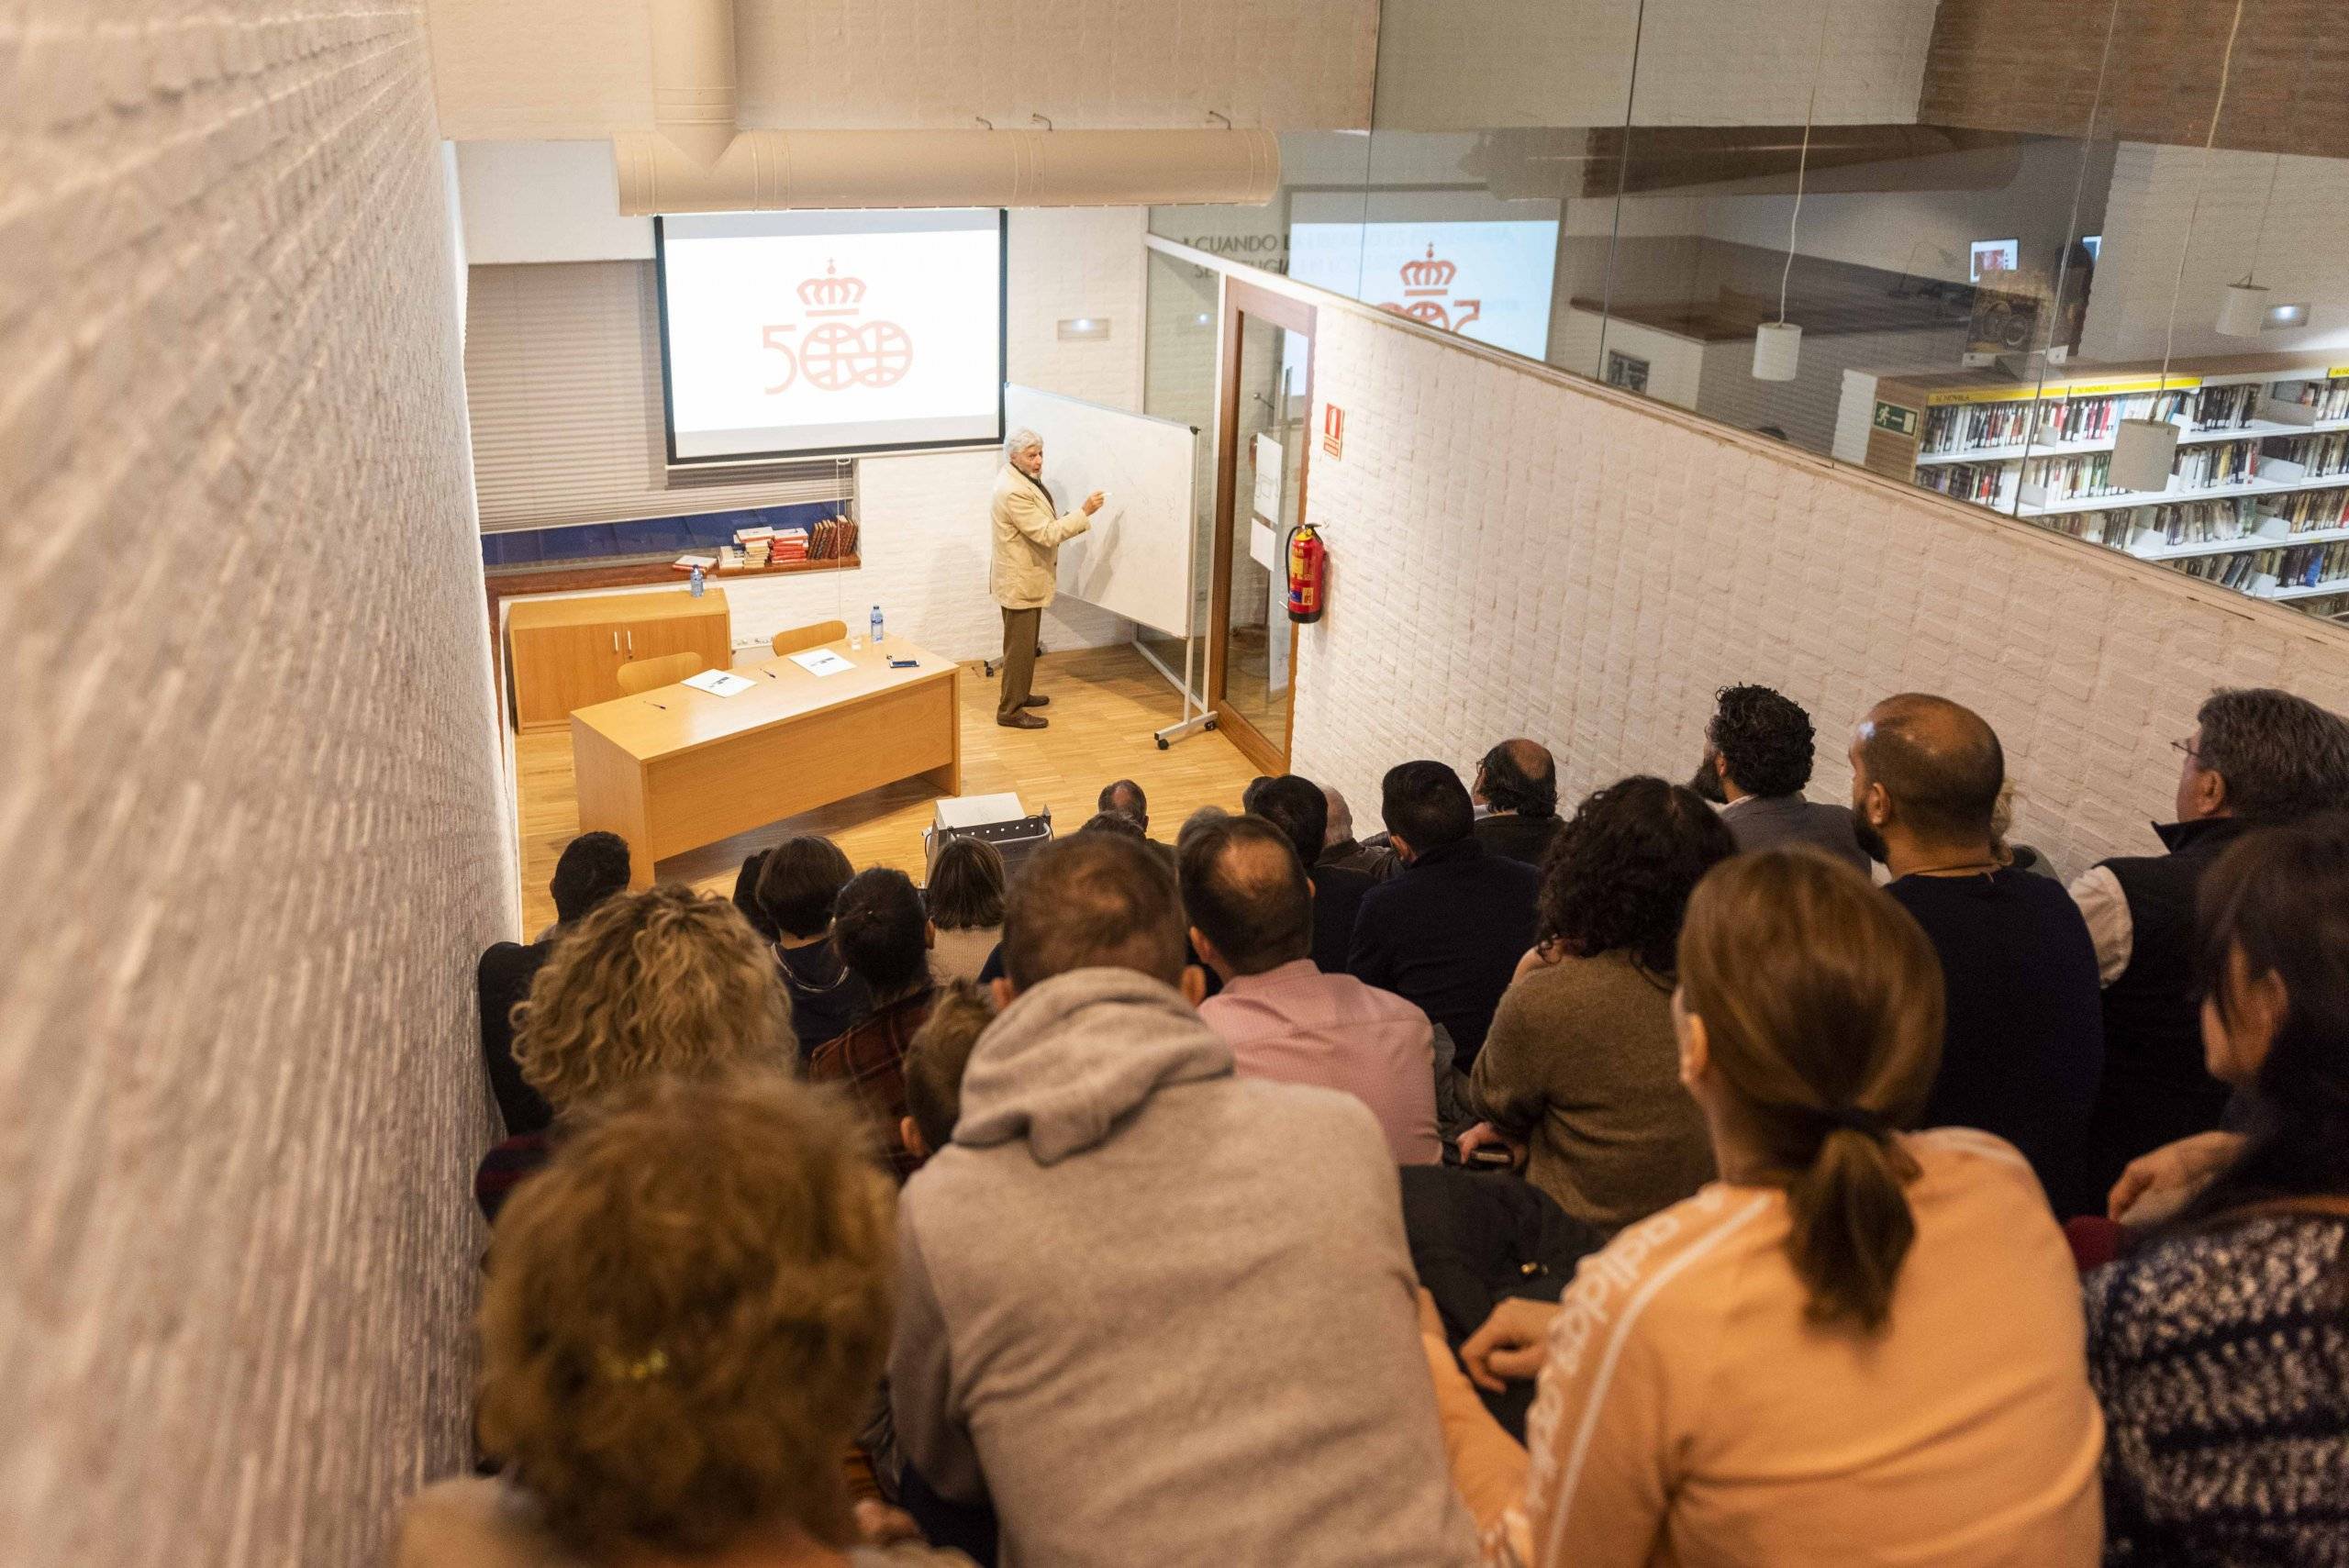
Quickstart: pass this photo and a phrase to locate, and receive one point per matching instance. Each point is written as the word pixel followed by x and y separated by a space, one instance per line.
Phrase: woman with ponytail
pixel 1860 1346
pixel 2218 1344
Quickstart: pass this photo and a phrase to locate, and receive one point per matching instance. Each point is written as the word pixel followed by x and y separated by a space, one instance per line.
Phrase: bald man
pixel 1516 794
pixel 2024 1041
pixel 1028 539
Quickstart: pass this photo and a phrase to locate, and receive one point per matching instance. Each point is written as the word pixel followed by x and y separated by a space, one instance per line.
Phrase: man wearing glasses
pixel 2257 758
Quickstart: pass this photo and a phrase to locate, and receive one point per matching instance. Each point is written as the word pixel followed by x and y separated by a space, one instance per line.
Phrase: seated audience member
pixel 1477 1242
pixel 1158 1313
pixel 746 895
pixel 593 867
pixel 1860 1346
pixel 797 883
pixel 663 982
pixel 683 1316
pixel 1116 822
pixel 2217 1345
pixel 1517 781
pixel 935 1059
pixel 964 899
pixel 2025 1042
pixel 1445 934
pixel 2257 758
pixel 1340 848
pixel 881 934
pixel 1298 808
pixel 1250 911
pixel 2023 857
pixel 1581 1067
pixel 1125 796
pixel 1758 750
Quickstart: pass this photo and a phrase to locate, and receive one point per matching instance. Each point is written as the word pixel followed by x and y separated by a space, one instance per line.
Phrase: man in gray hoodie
pixel 1157 1313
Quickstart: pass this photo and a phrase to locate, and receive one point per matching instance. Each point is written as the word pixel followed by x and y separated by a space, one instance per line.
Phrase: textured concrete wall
pixel 562 69
pixel 1515 554
pixel 250 825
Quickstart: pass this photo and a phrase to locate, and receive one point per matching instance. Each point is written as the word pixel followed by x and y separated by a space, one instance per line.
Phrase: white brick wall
pixel 1515 555
pixel 251 826
pixel 2303 255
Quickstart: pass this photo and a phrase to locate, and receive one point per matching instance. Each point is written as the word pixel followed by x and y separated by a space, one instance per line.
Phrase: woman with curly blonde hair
pixel 666 983
pixel 685 1315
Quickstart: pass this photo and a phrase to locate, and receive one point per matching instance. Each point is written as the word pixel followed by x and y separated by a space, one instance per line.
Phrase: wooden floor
pixel 1105 703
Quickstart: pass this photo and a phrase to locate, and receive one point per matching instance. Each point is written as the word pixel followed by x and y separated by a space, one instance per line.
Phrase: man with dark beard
pixel 2024 1040
pixel 1758 760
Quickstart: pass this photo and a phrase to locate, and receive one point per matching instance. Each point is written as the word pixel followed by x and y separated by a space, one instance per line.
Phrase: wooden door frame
pixel 1241 299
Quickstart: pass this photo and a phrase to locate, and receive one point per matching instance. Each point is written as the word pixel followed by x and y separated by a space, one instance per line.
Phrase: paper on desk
pixel 718 683
pixel 821 661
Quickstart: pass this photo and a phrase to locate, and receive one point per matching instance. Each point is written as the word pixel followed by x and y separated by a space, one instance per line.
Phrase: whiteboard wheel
pixel 1162 742
pixel 1209 724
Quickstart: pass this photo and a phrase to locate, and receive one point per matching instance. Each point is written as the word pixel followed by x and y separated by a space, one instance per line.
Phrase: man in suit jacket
pixel 1028 539
pixel 1758 759
pixel 593 867
pixel 1446 933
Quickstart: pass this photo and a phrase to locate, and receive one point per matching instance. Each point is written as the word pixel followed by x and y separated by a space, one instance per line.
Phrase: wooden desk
pixel 677 768
pixel 568 652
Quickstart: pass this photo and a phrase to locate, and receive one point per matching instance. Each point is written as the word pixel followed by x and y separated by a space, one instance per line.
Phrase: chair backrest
pixel 813 635
pixel 643 674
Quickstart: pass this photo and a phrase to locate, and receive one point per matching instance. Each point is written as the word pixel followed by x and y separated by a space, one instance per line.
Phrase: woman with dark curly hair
pixel 1579 1070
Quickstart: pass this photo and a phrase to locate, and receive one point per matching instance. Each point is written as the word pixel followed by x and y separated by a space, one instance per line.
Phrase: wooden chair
pixel 643 674
pixel 799 639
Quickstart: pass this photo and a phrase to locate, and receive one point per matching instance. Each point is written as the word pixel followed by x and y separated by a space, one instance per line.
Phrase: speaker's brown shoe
pixel 1022 720
pixel 1036 700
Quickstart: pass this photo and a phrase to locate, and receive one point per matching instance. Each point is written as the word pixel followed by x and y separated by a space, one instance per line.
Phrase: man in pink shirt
pixel 1250 909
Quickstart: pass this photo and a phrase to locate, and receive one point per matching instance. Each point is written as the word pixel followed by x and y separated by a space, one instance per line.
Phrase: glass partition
pixel 1881 232
pixel 1179 383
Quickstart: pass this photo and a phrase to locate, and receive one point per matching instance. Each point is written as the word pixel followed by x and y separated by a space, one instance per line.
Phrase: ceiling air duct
pixel 695 158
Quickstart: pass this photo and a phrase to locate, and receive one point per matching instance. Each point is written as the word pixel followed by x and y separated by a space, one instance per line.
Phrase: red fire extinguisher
pixel 1308 565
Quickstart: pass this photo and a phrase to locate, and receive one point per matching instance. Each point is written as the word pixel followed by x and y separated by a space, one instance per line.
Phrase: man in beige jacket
pixel 1028 539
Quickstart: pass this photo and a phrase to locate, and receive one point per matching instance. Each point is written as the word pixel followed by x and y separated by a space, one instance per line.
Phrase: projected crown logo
pixel 839 351
pixel 1427 294
pixel 831 291
pixel 1429 274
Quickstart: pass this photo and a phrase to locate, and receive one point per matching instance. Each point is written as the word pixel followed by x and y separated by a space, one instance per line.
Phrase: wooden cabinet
pixel 566 653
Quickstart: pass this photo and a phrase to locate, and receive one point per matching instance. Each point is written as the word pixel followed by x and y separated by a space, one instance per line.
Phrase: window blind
pixel 562 379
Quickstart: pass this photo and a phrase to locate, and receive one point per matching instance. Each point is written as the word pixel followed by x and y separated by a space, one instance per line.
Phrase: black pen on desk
pixel 662 705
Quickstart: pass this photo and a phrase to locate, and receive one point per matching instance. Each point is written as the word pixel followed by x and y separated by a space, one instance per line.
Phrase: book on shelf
pixel 688 562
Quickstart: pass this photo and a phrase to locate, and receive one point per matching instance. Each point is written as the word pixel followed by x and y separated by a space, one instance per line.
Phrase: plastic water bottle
pixel 877 633
pixel 697 583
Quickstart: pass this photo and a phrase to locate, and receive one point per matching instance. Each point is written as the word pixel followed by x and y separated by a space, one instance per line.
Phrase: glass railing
pixel 1965 258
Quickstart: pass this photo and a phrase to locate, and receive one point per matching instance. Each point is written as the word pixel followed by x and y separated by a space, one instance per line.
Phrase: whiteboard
pixel 1136 560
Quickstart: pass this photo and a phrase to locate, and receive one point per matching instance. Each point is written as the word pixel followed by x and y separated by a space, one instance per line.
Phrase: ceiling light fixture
pixel 1777 345
pixel 2243 312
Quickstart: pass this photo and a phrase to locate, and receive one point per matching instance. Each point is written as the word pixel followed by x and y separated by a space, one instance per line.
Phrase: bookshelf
pixel 2258 497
